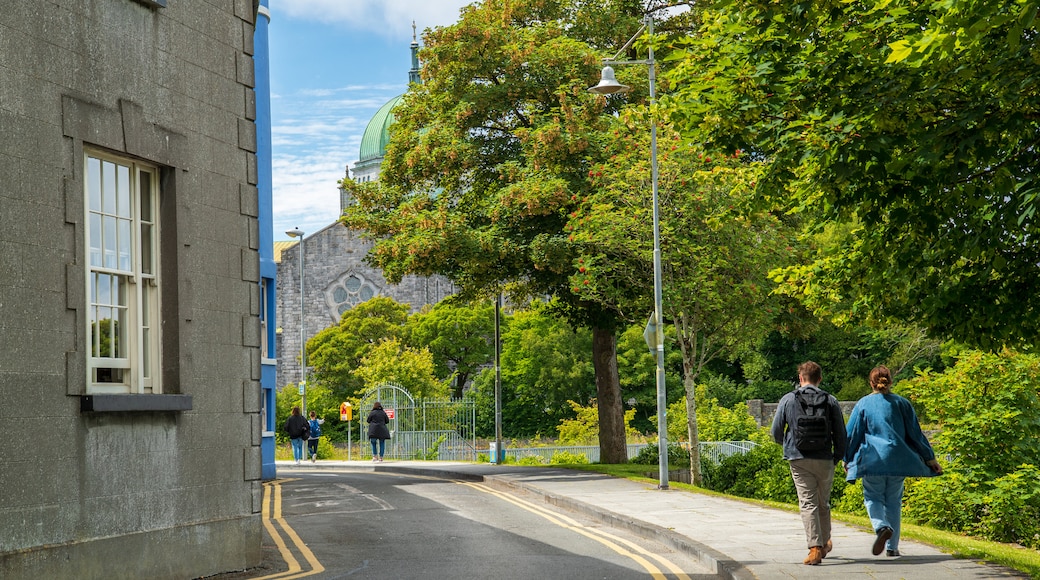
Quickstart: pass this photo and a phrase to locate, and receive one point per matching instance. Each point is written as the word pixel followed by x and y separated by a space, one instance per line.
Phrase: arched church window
pixel 347 292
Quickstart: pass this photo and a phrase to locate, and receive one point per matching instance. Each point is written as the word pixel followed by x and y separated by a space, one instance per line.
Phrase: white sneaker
pixel 375 459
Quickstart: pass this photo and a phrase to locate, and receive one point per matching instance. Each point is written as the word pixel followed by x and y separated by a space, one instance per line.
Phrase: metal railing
pixel 713 450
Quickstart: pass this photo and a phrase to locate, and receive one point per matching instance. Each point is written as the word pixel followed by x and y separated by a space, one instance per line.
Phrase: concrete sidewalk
pixel 738 539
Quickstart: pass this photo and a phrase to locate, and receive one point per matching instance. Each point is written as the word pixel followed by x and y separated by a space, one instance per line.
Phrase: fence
pixel 442 430
pixel 713 450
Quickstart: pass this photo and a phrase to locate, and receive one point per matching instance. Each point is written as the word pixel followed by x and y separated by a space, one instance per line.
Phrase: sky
pixel 333 64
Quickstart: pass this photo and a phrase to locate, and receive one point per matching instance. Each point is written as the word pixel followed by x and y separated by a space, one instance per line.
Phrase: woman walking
pixel 886 445
pixel 378 432
pixel 296 427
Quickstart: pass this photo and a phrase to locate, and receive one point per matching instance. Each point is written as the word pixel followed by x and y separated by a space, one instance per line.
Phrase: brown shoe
pixel 827 548
pixel 815 556
pixel 883 535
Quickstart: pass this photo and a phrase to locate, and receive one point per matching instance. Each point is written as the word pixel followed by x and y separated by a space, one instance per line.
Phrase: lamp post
pixel 298 233
pixel 609 85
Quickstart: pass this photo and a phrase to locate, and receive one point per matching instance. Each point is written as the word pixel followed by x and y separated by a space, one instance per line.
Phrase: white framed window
pixel 122 233
pixel 267 353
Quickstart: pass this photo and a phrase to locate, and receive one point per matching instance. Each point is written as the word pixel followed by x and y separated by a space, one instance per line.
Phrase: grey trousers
pixel 813 479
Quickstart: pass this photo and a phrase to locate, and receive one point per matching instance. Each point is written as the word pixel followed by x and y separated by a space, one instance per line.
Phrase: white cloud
pixel 316 134
pixel 391 17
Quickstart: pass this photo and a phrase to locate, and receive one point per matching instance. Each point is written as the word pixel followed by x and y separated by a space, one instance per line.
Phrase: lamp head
pixel 295 233
pixel 608 84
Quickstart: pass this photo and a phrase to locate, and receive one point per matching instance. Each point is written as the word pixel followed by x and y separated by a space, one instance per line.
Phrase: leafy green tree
pixel 337 351
pixel 544 364
pixel 904 131
pixel 487 157
pixel 392 362
pixel 716 249
pixel 460 338
pixel 637 370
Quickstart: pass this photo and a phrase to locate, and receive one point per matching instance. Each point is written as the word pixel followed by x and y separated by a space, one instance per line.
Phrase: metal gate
pixel 442 430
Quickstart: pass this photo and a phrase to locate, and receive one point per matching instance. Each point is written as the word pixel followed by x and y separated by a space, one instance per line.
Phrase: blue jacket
pixel 782 433
pixel 886 439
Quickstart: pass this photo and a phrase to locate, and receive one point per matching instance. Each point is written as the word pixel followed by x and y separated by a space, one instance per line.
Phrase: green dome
pixel 377 134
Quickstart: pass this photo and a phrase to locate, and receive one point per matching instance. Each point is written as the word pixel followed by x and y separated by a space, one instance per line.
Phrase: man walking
pixel 810 426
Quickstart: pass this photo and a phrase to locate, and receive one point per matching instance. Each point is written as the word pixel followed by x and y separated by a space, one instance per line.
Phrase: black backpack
pixel 811 425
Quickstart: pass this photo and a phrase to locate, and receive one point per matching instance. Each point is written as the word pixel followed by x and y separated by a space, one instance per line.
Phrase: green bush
pixel 850 501
pixel 531 460
pixel 568 458
pixel 1013 509
pixel 744 474
pixel 650 455
pixel 988 408
pixel 433 452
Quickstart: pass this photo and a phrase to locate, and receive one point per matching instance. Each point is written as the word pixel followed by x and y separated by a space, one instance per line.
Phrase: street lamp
pixel 298 233
pixel 609 85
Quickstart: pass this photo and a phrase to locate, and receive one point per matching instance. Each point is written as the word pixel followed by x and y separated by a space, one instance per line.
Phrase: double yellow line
pixel 272 514
pixel 619 545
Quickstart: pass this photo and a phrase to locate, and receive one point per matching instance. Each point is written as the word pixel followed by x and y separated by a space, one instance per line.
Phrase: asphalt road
pixel 327 524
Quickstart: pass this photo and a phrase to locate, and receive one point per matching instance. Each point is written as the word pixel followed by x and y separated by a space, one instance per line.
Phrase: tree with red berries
pixel 489 156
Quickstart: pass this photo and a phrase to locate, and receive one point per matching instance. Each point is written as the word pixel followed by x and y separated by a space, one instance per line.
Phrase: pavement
pixel 737 539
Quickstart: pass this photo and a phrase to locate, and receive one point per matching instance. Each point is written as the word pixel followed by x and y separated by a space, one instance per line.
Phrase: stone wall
pixel 98 485
pixel 334 263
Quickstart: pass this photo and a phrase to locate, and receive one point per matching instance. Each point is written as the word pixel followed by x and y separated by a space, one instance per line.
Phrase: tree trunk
pixel 690 384
pixel 612 448
pixel 460 382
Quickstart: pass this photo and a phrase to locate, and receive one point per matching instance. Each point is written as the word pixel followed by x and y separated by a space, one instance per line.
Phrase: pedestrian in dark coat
pixel 812 471
pixel 378 432
pixel 297 428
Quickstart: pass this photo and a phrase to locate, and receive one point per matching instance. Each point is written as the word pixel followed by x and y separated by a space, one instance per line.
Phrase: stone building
pixel 130 342
pixel 336 278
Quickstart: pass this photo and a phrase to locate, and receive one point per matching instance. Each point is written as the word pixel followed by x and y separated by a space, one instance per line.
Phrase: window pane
pixel 125 246
pixel 146 353
pixel 146 196
pixel 123 191
pixel 108 241
pixel 146 249
pixel 95 240
pixel 104 290
pixel 108 187
pixel 93 179
pixel 104 325
pixel 120 319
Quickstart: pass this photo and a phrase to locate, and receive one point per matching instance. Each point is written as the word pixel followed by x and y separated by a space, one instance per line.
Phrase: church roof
pixel 377 134
pixel 280 247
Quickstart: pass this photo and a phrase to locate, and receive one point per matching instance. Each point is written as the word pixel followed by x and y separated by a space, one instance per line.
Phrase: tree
pixel 392 362
pixel 716 250
pixel 905 131
pixel 460 338
pixel 544 364
pixel 486 159
pixel 337 351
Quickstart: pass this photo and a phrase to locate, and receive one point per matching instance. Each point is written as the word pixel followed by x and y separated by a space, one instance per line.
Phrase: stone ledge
pixel 124 403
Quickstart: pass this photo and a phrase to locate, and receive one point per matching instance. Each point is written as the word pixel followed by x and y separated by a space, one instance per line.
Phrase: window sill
pixel 125 403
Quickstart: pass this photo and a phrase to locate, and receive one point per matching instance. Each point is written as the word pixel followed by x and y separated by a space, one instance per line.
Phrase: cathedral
pixel 335 275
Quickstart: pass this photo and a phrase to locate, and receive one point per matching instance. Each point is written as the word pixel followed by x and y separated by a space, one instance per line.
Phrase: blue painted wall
pixel 262 69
